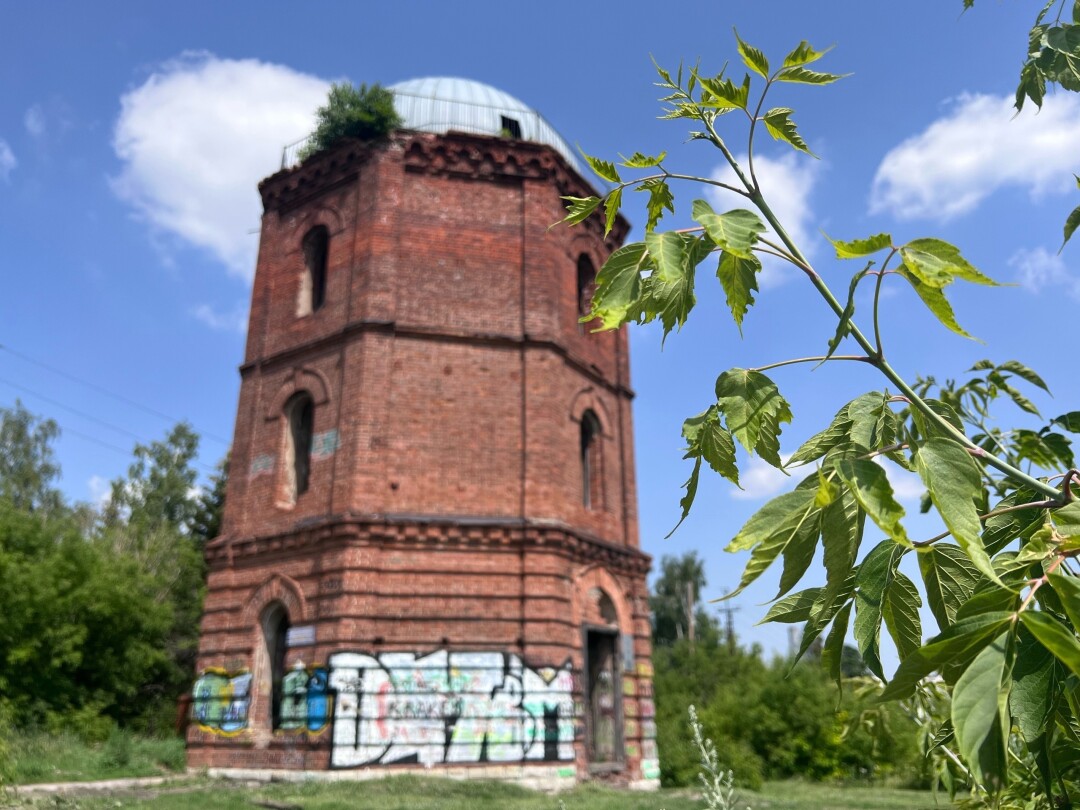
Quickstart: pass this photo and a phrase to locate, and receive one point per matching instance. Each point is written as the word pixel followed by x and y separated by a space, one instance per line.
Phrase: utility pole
pixel 690 613
pixel 728 610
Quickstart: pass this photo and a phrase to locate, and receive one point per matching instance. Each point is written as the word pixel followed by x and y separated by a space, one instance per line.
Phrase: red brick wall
pixel 450 366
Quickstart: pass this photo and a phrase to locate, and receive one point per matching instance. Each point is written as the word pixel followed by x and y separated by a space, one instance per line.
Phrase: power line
pixel 102 422
pixel 102 390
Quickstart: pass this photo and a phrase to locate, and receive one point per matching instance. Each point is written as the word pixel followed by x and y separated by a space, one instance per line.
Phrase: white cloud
pixel 787 182
pixel 100 490
pixel 975 149
pixel 34 120
pixel 1038 268
pixel 760 480
pixel 198 135
pixel 235 321
pixel 7 160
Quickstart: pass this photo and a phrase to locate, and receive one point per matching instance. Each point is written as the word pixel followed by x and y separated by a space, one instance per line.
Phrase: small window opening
pixel 591 494
pixel 586 285
pixel 300 411
pixel 511 127
pixel 275 631
pixel 316 245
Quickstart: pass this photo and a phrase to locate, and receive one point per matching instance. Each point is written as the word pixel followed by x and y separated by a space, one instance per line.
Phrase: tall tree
pixel 676 597
pixel 28 467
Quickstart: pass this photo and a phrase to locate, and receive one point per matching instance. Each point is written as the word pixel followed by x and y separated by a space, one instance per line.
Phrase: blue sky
pixel 132 137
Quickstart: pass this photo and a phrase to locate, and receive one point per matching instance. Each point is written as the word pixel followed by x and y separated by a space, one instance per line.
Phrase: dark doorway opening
pixel 603 715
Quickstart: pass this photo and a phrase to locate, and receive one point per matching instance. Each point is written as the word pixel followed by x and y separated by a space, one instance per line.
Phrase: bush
pixel 352 112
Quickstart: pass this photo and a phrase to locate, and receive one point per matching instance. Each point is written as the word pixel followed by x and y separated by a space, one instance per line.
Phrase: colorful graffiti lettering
pixel 305 699
pixel 448 707
pixel 220 701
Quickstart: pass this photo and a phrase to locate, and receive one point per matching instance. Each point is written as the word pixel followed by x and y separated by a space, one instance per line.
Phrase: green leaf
pixel 860 247
pixel 801 75
pixel 753 58
pixel 949 577
pixel 956 642
pixel 1067 519
pixel 1071 224
pixel 1000 530
pixel 1033 682
pixel 870 485
pixel 803 55
pixel 793 608
pixel 763 523
pixel 1068 590
pixel 579 208
pixel 687 500
pixel 724 94
pixel 669 291
pixel 842 524
pixel 640 161
pixel 738 277
pixel 833 652
pixel 753 410
pixel 706 438
pixel 735 232
pixel 955 485
pixel 1070 421
pixel 776 536
pixel 779 124
pixel 935 301
pixel 831 601
pixel 975 715
pixel 1024 373
pixel 604 169
pixel 937 263
pixel 618 286
pixel 798 554
pixel 873 576
pixel 900 610
pixel 873 423
pixel 660 197
pixel 1056 637
pixel 611 209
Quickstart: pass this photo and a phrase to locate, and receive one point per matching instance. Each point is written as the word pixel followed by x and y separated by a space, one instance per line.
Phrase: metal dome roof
pixel 442 103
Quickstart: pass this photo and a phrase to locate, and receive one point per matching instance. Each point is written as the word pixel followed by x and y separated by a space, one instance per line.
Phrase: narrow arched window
pixel 586 285
pixel 591 493
pixel 316 247
pixel 300 415
pixel 275 635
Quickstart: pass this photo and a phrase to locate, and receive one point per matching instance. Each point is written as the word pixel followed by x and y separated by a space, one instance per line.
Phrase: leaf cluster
pixel 364 112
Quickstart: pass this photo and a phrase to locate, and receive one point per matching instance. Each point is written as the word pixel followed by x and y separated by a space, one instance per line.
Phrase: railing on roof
pixel 433 114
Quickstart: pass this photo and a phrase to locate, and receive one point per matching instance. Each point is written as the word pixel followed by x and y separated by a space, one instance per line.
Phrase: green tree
pixel 28 468
pixel 998 578
pixel 677 595
pixel 352 112
pixel 205 524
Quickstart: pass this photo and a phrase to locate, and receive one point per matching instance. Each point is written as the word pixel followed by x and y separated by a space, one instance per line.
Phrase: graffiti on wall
pixel 220 700
pixel 448 707
pixel 305 699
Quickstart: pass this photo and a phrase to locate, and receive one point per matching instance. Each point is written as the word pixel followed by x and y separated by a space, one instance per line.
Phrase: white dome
pixel 441 104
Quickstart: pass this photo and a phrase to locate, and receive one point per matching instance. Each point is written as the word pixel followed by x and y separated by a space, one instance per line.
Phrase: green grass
pixel 420 793
pixel 38 757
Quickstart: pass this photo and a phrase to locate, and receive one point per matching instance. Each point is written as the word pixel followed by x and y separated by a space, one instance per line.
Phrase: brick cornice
pixel 480 533
pixel 455 153
pixel 332 341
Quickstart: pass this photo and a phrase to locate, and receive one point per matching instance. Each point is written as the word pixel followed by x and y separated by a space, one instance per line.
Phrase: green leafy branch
pixel 1002 592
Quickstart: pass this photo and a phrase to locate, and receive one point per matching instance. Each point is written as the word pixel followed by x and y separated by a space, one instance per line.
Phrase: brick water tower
pixel 429 555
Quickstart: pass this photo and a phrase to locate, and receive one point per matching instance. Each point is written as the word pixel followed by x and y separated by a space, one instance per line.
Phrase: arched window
pixel 316 246
pixel 586 285
pixel 275 628
pixel 300 416
pixel 591 472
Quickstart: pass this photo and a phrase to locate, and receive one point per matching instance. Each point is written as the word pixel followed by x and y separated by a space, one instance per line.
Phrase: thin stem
pixel 877 300
pixel 1047 504
pixel 856 357
pixel 942 424
pixel 781 251
pixel 1038 583
pixel 750 139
